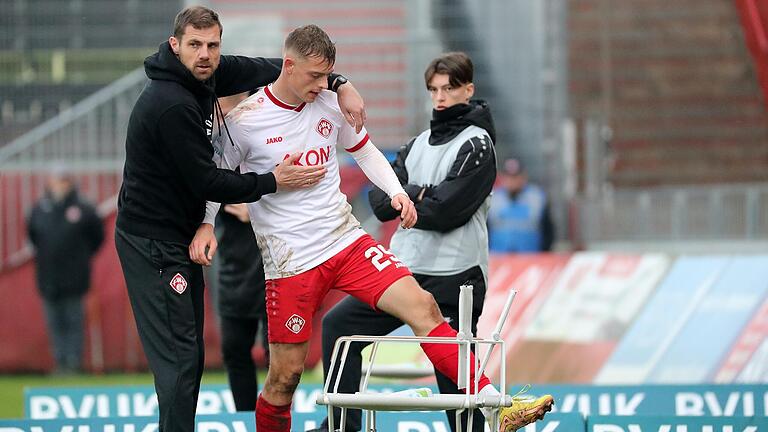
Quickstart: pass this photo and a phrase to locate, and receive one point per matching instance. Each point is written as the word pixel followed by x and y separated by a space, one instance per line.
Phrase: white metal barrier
pixel 372 402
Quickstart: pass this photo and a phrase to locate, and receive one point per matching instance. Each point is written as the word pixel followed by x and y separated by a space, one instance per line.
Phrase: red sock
pixel 445 357
pixel 272 418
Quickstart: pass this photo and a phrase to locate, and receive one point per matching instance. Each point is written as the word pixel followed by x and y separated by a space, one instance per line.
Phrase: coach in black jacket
pixel 168 176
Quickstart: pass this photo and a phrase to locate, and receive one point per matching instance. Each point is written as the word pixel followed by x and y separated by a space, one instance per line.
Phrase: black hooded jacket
pixel 451 203
pixel 65 234
pixel 169 172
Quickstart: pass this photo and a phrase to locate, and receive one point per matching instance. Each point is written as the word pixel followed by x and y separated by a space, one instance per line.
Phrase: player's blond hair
pixel 311 41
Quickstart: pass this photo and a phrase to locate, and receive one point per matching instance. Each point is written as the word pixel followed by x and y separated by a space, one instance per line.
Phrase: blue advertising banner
pixel 238 422
pixel 676 424
pixel 714 325
pixel 244 422
pixel 746 400
pixel 662 318
pixel 666 400
pixel 138 401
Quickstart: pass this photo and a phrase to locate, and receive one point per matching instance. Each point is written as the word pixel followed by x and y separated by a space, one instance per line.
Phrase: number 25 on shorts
pixel 380 257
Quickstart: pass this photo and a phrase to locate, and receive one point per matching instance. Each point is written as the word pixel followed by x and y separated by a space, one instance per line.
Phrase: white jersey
pixel 296 230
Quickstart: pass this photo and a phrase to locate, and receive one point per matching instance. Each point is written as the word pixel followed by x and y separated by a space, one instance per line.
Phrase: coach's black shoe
pixel 320 429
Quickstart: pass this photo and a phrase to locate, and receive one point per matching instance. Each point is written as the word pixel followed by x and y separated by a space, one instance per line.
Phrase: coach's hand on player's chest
pixel 291 176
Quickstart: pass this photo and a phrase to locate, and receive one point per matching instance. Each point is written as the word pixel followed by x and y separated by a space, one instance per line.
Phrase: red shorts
pixel 364 269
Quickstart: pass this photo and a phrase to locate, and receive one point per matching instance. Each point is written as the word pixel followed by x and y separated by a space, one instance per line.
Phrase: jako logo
pixel 273 140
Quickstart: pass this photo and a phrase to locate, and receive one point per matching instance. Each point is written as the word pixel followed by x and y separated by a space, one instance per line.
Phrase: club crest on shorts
pixel 178 283
pixel 295 323
pixel 324 128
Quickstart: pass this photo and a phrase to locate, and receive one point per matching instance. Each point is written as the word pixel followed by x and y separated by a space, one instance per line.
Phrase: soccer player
pixel 310 240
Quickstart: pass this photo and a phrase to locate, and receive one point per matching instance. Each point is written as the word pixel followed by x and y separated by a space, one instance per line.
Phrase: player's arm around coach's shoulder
pixel 237 74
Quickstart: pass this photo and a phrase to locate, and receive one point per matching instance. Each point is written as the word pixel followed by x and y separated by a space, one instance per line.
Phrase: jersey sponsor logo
pixel 312 157
pixel 178 283
pixel 273 140
pixel 295 323
pixel 324 128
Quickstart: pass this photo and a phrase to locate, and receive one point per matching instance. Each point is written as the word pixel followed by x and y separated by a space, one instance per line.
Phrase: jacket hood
pixel 448 123
pixel 165 66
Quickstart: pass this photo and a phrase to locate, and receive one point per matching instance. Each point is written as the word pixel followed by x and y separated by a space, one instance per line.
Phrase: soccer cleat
pixel 524 411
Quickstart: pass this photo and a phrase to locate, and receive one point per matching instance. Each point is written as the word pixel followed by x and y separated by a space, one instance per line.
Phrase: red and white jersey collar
pixel 281 104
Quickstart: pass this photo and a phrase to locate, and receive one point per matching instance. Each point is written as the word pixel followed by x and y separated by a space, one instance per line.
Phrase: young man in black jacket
pixel 241 302
pixel 240 297
pixel 448 171
pixel 168 176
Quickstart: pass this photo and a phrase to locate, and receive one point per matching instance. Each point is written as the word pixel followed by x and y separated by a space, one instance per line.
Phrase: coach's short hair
pixel 200 17
pixel 311 41
pixel 457 65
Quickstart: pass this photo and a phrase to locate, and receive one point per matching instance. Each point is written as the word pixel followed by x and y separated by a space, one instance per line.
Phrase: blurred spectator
pixel 66 232
pixel 519 219
pixel 241 302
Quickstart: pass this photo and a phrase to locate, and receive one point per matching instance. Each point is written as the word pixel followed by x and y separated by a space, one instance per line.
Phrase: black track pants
pixel 166 292
pixel 238 336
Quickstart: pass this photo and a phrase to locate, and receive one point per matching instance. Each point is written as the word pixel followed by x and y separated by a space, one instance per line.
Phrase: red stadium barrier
pixel 111 340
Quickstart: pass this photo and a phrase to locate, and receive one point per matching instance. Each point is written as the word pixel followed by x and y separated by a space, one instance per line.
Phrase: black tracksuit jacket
pixel 169 171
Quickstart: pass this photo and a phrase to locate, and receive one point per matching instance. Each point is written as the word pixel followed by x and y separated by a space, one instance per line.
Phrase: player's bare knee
pixel 429 305
pixel 427 313
pixel 287 381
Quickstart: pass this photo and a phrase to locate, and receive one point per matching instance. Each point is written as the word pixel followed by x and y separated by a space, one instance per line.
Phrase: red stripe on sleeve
pixel 359 145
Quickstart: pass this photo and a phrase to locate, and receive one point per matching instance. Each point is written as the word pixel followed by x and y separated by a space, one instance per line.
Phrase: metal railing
pixel 716 213
pixel 88 139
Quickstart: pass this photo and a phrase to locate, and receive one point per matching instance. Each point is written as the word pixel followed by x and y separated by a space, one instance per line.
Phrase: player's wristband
pixel 338 82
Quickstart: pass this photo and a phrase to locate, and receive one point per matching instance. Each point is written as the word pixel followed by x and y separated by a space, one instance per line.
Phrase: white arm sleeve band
pixel 377 169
